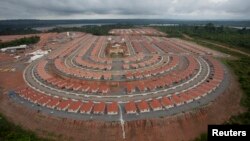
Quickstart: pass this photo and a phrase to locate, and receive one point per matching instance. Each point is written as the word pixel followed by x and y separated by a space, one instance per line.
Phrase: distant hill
pixel 17 24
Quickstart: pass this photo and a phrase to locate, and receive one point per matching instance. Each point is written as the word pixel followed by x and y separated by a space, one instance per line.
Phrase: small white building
pixel 14 48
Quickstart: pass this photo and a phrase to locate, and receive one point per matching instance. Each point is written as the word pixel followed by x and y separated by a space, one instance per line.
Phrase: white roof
pixel 116 45
pixel 15 47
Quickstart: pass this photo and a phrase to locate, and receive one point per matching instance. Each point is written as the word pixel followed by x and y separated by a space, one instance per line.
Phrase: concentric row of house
pixel 147 74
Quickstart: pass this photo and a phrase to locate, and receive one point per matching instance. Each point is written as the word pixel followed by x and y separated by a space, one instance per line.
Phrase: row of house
pixel 137 31
pixel 163 81
pixel 177 99
pixel 154 70
pixel 59 64
pixel 154 59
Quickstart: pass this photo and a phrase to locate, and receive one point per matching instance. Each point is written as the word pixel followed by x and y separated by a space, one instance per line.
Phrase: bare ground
pixel 183 127
pixel 5 58
pixel 8 38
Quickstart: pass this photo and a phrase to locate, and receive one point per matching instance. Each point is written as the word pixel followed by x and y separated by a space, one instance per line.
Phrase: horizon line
pixel 135 19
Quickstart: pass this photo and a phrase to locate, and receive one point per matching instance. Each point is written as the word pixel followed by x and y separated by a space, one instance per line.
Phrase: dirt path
pixel 226 47
pixel 219 45
pixel 188 37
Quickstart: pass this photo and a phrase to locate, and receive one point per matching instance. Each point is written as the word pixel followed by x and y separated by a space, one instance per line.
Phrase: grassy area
pixel 241 68
pixel 202 137
pixel 22 41
pixel 11 132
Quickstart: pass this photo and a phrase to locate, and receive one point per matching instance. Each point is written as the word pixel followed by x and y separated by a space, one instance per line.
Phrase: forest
pixel 22 41
pixel 18 31
pixel 234 37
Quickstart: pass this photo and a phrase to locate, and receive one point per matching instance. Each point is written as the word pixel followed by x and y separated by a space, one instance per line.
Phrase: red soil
pixel 6 57
pixel 7 38
pixel 43 36
pixel 11 80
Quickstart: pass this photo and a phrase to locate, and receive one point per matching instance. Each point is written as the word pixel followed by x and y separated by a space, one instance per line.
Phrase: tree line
pixel 92 29
pixel 228 35
pixel 22 41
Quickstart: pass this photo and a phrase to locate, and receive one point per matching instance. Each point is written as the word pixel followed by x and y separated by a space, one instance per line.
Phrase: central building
pixel 116 49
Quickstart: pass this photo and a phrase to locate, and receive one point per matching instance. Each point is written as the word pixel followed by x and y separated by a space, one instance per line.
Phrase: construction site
pixel 134 84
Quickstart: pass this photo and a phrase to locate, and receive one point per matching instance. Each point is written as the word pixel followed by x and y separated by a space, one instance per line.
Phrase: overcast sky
pixel 114 9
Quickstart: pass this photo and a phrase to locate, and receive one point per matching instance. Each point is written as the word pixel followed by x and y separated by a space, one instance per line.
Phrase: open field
pixel 8 38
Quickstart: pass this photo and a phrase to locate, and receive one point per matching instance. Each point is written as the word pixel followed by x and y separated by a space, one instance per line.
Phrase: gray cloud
pixel 78 9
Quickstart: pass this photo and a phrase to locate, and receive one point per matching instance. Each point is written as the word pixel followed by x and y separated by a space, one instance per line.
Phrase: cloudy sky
pixel 114 9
